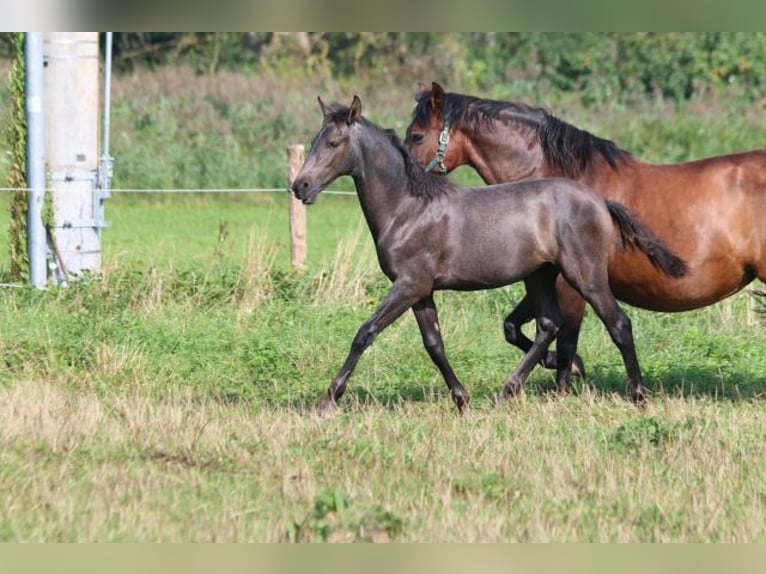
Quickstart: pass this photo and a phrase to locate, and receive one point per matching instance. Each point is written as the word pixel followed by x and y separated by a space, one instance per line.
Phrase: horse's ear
pixel 420 90
pixel 354 111
pixel 323 108
pixel 437 97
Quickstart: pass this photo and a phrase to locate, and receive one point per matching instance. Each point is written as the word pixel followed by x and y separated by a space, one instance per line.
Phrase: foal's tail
pixel 635 233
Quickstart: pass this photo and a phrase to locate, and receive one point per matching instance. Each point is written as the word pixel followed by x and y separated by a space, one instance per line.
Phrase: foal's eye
pixel 416 138
pixel 334 143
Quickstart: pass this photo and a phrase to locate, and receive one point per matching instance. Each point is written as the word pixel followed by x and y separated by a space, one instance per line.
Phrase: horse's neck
pixel 500 155
pixel 381 184
pixel 505 155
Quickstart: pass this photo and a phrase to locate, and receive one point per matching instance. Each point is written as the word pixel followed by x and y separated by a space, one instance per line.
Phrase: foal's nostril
pixel 298 185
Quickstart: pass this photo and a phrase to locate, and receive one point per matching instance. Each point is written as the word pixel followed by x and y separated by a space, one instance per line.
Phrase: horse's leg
pixel 400 298
pixel 567 360
pixel 541 289
pixel 586 270
pixel 621 331
pixel 428 321
pixel 524 312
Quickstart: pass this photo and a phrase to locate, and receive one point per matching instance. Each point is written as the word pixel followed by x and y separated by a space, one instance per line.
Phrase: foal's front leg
pixel 400 298
pixel 428 321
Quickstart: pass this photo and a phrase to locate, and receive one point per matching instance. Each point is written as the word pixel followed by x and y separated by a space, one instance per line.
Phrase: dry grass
pixel 344 279
pixel 78 467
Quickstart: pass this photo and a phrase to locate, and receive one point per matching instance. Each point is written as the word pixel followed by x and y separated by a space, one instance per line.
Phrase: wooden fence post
pixel 297 210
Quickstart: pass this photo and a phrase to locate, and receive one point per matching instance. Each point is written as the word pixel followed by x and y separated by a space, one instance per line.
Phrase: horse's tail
pixel 635 233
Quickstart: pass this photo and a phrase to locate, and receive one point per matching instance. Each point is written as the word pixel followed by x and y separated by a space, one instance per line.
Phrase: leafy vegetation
pixel 16 142
pixel 599 67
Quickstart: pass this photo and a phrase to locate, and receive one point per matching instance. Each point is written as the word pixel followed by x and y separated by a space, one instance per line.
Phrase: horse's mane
pixel 422 183
pixel 567 148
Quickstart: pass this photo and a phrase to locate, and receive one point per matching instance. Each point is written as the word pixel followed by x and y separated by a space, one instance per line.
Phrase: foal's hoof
pixel 461 402
pixel 639 397
pixel 563 389
pixel 505 396
pixel 327 406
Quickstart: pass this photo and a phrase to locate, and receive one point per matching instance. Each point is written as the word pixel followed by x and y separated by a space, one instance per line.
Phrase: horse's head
pixel 332 152
pixel 428 135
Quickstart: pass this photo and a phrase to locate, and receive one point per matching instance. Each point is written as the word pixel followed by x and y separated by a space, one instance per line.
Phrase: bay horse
pixel 708 211
pixel 431 234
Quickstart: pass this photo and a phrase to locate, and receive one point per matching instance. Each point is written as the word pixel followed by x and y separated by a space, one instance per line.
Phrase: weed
pixel 651 432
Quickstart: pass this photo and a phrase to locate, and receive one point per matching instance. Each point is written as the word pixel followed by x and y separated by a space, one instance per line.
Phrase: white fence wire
pixel 199 190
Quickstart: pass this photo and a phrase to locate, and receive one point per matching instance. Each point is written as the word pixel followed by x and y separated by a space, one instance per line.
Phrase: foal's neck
pixel 381 181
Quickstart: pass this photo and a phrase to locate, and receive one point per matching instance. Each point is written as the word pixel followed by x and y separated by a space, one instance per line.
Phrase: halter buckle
pixel 441 152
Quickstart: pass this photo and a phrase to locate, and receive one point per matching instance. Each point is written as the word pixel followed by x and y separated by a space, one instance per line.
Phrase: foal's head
pixel 332 152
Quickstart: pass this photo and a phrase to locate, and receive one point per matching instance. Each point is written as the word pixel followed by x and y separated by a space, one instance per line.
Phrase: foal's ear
pixel 420 90
pixel 437 97
pixel 354 111
pixel 325 113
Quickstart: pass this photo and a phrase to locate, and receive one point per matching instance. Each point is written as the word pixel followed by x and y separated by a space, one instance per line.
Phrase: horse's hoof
pixel 578 367
pixel 461 401
pixel 510 391
pixel 328 406
pixel 502 398
pixel 639 397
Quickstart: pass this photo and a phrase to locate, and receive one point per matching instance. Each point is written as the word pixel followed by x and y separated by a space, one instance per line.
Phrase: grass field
pixel 171 397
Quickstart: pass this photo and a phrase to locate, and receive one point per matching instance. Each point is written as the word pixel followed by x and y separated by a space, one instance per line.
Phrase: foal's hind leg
pixel 541 290
pixel 428 321
pixel 621 331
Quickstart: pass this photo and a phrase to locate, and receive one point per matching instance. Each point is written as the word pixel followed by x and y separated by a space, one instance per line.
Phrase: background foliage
pixel 600 66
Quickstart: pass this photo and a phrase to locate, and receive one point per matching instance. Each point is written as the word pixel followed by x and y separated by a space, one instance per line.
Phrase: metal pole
pixel 36 243
pixel 105 166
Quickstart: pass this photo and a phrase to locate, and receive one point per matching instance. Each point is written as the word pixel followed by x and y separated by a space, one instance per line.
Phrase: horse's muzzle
pixel 305 191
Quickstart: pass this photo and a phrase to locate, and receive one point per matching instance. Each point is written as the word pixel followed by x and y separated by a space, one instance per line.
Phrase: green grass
pixel 173 401
pixel 171 397
pixel 191 228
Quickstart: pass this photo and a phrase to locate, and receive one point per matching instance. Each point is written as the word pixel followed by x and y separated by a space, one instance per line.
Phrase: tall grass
pixel 171 397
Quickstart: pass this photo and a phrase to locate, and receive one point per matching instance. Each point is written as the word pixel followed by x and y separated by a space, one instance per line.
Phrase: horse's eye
pixel 416 138
pixel 334 143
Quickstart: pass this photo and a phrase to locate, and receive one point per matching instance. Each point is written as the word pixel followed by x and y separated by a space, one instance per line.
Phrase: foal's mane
pixel 422 183
pixel 567 148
